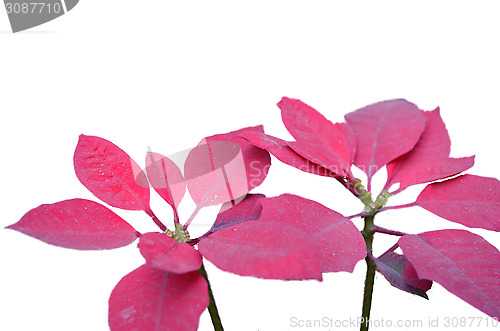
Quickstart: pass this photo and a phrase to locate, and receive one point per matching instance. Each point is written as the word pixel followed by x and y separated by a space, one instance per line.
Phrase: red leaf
pixel 215 173
pixel 257 161
pixel 108 172
pixel 470 200
pixel 396 269
pixel 429 160
pixel 411 277
pixel 317 139
pixel 149 299
pixel 384 131
pixel 224 167
pixel 272 250
pixel 166 178
pixel 340 242
pixel 280 149
pixel 77 224
pixel 163 252
pixel 248 209
pixel 351 139
pixel 462 262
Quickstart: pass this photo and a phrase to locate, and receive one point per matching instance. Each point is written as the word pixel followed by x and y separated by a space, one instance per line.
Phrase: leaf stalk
pixel 380 229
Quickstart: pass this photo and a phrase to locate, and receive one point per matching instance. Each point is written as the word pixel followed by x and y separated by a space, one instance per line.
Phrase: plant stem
pixel 368 232
pixel 212 307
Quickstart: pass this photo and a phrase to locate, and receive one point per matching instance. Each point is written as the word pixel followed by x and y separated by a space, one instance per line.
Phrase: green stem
pixel 368 232
pixel 212 307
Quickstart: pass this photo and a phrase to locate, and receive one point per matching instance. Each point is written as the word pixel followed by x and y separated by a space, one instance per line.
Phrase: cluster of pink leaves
pixel 286 237
pixel 414 146
pixel 167 292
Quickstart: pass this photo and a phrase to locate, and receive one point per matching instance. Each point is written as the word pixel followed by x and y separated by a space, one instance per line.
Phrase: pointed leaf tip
pixel 317 139
pixel 166 178
pixel 462 262
pixel 429 160
pixel 401 274
pixel 76 224
pixel 110 174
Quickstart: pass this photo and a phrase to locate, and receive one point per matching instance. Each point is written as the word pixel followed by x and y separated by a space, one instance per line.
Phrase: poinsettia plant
pixel 414 146
pixel 285 237
pixel 171 290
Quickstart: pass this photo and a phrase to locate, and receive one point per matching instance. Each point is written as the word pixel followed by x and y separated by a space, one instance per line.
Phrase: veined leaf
pixel 462 262
pixel 340 243
pixel 385 131
pixel 166 178
pixel 149 299
pixel 271 250
pixel 317 139
pixel 235 212
pixel 77 224
pixel 280 149
pixel 401 274
pixel 225 167
pixel 429 160
pixel 473 201
pixel 257 161
pixel 109 173
pixel 163 252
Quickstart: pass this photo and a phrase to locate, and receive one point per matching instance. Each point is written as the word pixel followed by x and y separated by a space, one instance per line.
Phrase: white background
pixel 151 73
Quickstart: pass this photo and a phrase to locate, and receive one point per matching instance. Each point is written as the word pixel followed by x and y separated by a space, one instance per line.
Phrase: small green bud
pixel 365 197
pixel 180 235
pixel 382 199
pixel 357 185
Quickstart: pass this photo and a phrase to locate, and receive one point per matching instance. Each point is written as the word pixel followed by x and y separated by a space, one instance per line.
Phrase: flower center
pixel 179 234
pixel 366 197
